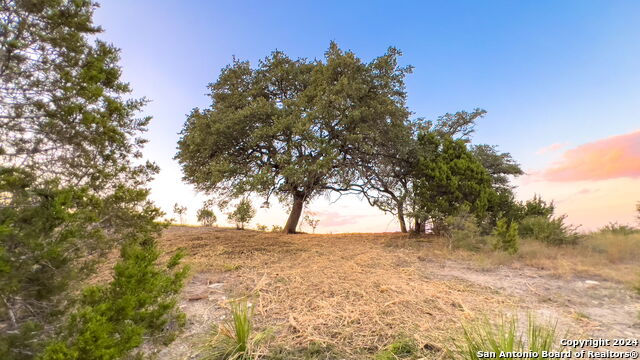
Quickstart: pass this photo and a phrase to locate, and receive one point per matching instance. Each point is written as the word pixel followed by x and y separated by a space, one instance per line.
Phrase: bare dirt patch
pixel 588 307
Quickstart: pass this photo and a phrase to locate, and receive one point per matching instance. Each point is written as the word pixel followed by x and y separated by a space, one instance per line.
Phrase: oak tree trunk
pixel 294 216
pixel 418 226
pixel 403 225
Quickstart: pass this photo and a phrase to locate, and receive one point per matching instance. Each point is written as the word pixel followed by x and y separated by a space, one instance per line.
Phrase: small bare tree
pixel 180 211
pixel 311 221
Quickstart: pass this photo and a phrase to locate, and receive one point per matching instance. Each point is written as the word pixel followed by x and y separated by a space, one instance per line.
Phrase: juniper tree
pixel 387 175
pixel 290 127
pixel 501 166
pixel 447 178
pixel 71 177
pixel 506 236
pixel 386 169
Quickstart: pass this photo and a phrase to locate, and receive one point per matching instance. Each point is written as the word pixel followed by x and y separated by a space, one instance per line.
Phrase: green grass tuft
pixel 485 336
pixel 231 267
pixel 403 348
pixel 236 340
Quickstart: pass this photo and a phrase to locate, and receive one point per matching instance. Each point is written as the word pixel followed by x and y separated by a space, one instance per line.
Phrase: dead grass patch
pixel 611 257
pixel 351 293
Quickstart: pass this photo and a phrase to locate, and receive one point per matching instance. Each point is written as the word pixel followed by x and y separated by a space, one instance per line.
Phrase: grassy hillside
pixel 351 296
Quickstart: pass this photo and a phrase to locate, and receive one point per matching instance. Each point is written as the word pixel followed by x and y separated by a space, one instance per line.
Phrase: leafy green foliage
pixel 502 204
pixel 550 230
pixel 112 319
pixel 537 207
pixel 618 229
pixel 289 127
pixel 499 165
pixel 243 213
pixel 505 336
pixel 463 231
pixel 448 177
pixel 50 238
pixel 506 236
pixel 535 220
pixel 40 237
pixel 206 216
pixel 63 114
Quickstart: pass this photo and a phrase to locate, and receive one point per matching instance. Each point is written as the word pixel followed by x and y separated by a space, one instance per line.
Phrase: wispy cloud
pixel 552 148
pixel 610 158
pixel 332 218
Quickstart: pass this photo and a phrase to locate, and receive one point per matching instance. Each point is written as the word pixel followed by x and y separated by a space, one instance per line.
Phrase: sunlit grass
pixel 505 336
pixel 236 339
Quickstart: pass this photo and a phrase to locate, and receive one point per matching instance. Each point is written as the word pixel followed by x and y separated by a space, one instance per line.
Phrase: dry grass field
pixel 347 296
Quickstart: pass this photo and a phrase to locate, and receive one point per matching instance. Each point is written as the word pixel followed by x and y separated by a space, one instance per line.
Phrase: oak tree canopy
pixel 291 127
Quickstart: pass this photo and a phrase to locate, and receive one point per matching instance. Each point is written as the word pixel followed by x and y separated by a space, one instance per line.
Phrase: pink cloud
pixel 610 158
pixel 552 148
pixel 332 218
pixel 585 191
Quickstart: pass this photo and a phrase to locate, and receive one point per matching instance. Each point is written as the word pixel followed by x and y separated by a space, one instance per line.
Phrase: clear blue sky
pixel 547 72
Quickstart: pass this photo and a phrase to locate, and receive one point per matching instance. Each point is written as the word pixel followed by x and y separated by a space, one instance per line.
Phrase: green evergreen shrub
pixel 72 189
pixel 113 319
pixel 463 231
pixel 506 236
pixel 537 207
pixel 549 230
pixel 618 229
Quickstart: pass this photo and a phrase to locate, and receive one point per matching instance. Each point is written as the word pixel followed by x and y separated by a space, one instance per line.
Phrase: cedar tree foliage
pixel 71 190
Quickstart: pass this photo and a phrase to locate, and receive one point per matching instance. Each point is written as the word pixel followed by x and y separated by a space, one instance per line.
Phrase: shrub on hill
pixel 618 229
pixel 206 216
pixel 113 319
pixel 537 207
pixel 463 232
pixel 506 236
pixel 549 230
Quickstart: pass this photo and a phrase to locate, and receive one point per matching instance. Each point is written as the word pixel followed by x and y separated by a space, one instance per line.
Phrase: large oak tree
pixel 291 127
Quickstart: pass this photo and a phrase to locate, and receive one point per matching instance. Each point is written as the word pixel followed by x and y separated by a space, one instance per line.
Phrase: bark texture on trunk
pixel 294 216
pixel 418 226
pixel 403 224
